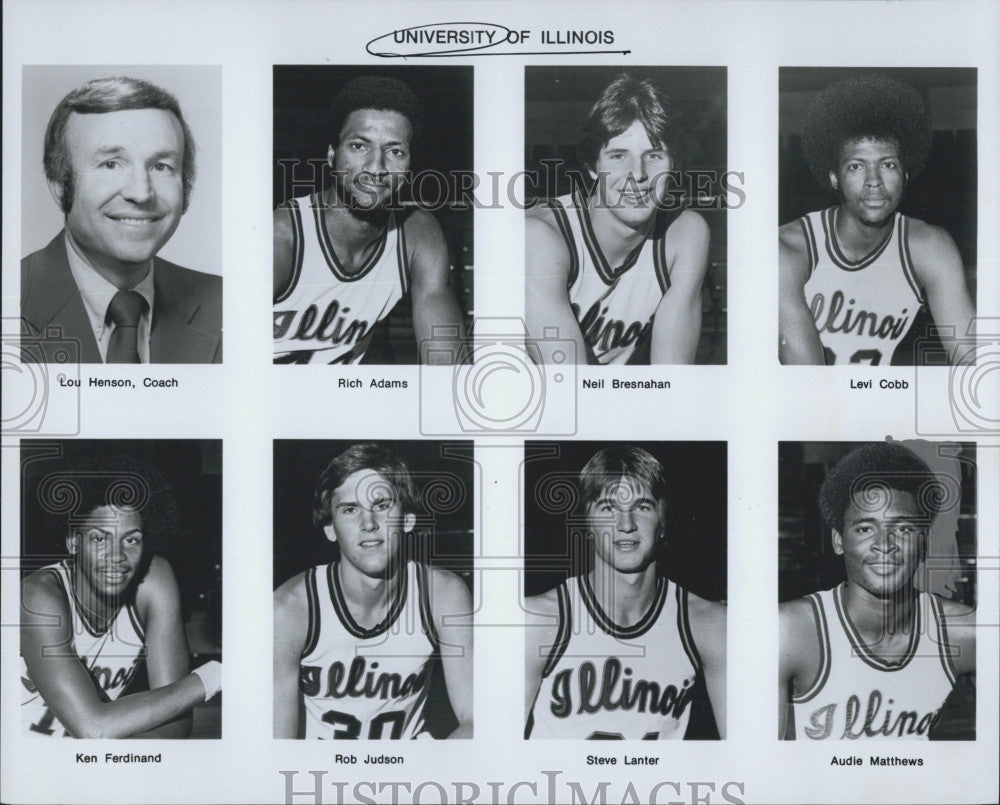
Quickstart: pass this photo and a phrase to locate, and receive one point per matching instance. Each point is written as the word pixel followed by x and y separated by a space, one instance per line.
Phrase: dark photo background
pixel 442 536
pixel 556 103
pixel 302 98
pixel 943 193
pixel 193 470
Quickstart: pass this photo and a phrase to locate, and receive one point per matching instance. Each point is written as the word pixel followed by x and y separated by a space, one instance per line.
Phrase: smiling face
pixel 626 523
pixel 632 172
pixel 128 186
pixel 372 156
pixel 883 540
pixel 870 178
pixel 367 522
pixel 107 546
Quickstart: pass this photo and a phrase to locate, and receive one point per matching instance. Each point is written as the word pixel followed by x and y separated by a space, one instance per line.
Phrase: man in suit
pixel 119 161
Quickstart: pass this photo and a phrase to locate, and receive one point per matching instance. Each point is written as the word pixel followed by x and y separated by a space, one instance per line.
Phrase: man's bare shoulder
pixel 419 226
pixel 705 611
pixel 541 609
pixel 689 225
pixel 797 618
pixel 791 236
pixel 928 243
pixel 42 594
pixel 291 595
pixel 956 612
pixel 448 590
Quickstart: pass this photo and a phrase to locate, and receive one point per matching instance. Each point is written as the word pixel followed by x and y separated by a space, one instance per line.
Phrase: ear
pixel 409 520
pixel 331 153
pixel 330 533
pixel 834 181
pixel 56 189
pixel 838 542
pixel 72 540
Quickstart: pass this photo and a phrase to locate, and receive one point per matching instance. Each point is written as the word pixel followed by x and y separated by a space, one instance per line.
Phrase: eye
pixel 356 146
pixel 348 510
pixel 398 153
pixel 889 165
pixel 382 505
pixel 109 164
pixel 163 167
pixel 133 539
pixel 98 537
pixel 655 156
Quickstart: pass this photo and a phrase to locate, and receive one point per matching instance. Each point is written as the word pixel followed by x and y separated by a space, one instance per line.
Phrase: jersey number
pixel 44 724
pixel 617 736
pixel 347 726
pixel 872 357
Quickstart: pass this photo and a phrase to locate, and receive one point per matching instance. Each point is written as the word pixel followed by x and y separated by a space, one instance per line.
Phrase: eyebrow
pixel 613 501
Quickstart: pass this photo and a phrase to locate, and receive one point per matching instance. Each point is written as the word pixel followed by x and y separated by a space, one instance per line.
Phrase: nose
pixel 625 521
pixel 114 552
pixel 885 541
pixel 138 186
pixel 369 522
pixel 640 170
pixel 872 176
pixel 376 162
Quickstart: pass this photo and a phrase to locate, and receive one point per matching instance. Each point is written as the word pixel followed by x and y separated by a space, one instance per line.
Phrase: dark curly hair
pixel 375 92
pixel 862 476
pixel 69 496
pixel 872 107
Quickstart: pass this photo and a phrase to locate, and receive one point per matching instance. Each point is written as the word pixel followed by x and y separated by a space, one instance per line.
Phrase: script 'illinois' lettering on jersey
pixel 894 724
pixel 615 688
pixel 360 680
pixel 327 313
pixel 603 334
pixel 614 306
pixel 605 681
pixel 862 308
pixel 111 657
pixel 859 695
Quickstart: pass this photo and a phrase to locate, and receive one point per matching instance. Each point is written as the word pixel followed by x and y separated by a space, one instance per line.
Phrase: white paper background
pixel 752 403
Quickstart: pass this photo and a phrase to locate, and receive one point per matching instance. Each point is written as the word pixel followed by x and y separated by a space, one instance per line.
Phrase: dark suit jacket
pixel 187 313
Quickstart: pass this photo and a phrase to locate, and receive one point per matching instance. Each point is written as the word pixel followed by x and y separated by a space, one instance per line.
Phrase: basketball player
pixel 854 276
pixel 621 264
pixel 615 653
pixel 88 622
pixel 873 658
pixel 354 639
pixel 342 260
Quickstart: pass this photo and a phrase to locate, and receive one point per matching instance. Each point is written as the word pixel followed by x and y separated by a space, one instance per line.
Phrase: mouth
pixel 138 221
pixel 117 576
pixel 626 544
pixel 635 198
pixel 372 543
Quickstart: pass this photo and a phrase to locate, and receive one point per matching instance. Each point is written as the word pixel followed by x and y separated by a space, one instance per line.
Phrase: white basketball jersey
pixel 858 695
pixel 614 306
pixel 862 308
pixel 604 681
pixel 366 683
pixel 111 657
pixel 327 315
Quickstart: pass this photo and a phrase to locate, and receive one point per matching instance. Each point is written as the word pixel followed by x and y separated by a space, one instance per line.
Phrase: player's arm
pixel 291 626
pixel 451 607
pixel 798 338
pixel 938 267
pixel 167 656
pixel 437 321
pixel 546 292
pixel 65 685
pixel 541 621
pixel 284 250
pixel 677 322
pixel 798 658
pixel 708 628
pixel 960 626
